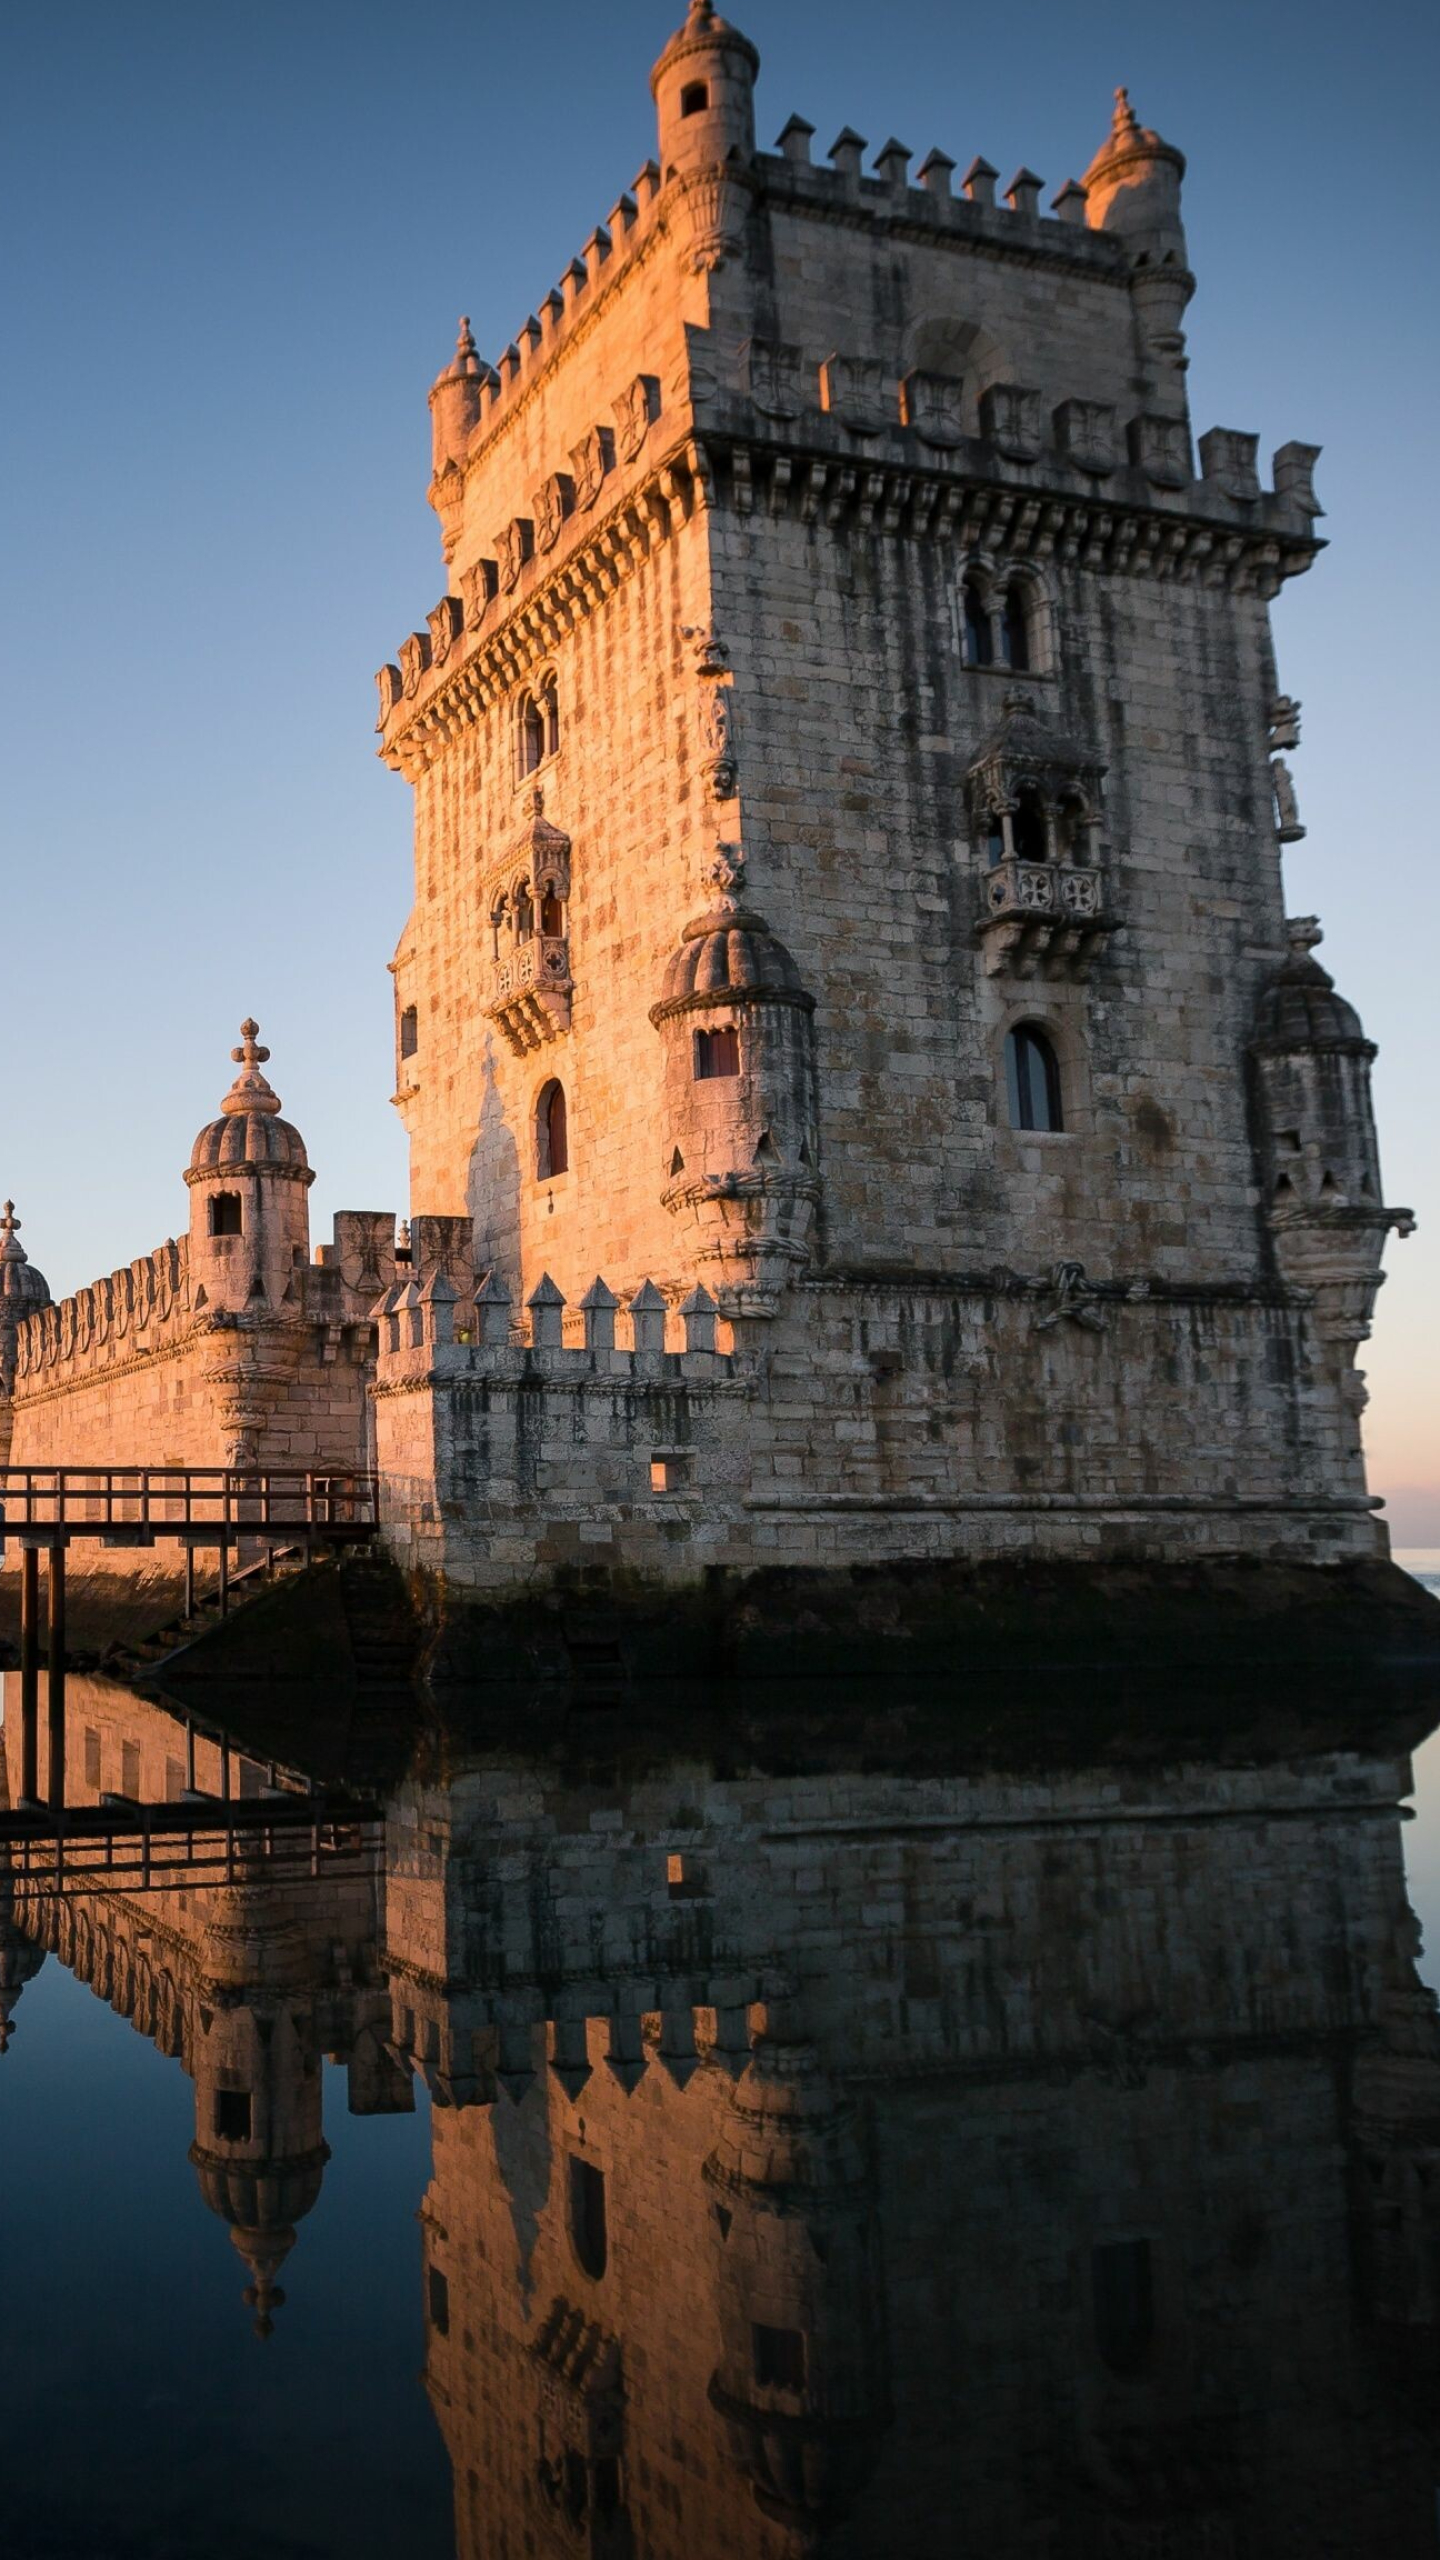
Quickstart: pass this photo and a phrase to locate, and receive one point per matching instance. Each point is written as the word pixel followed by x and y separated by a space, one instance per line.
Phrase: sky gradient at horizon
pixel 245 244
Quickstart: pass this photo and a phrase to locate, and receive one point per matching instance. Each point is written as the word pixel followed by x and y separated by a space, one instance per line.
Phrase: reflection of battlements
pixel 247 1982
pixel 817 2158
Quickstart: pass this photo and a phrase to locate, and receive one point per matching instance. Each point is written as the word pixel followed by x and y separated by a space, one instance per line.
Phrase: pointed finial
pixel 9 1222
pixel 1125 124
pixel 701 14
pixel 249 1054
pixel 467 357
pixel 250 1090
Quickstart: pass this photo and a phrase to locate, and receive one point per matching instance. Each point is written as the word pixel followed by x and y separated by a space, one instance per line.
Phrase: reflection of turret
pixel 801 2386
pixel 20 1961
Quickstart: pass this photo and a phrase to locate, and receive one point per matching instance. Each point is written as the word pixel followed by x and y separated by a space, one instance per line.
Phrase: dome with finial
pixel 729 955
pixel 1300 1008
pixel 1129 141
pixel 22 1287
pixel 704 29
pixel 249 1130
pixel 261 2200
pixel 465 363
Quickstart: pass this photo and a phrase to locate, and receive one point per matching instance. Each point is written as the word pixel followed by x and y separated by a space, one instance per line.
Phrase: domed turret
pixel 801 2383
pixel 740 1135
pixel 259 2151
pixel 1132 187
pixel 248 1177
pixel 703 86
pixel 23 1291
pixel 455 401
pixel 1315 1138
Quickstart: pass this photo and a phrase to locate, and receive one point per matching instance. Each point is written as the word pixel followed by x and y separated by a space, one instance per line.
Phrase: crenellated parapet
pixel 140 1309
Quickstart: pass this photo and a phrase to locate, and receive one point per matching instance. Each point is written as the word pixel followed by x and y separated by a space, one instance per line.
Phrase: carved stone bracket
pixel 1074 1300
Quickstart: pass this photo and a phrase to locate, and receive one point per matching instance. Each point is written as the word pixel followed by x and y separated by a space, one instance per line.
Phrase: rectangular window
pixel 232 2115
pixel 225 1215
pixel 717 1053
pixel 439 2292
pixel 779 2357
pixel 92 1757
pixel 1124 2303
pixel 587 2215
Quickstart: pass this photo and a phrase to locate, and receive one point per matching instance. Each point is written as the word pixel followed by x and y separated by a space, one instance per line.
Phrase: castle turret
pixel 704 91
pixel 249 1218
pixel 454 413
pixel 23 1290
pixel 1320 1166
pixel 1132 187
pixel 740 1137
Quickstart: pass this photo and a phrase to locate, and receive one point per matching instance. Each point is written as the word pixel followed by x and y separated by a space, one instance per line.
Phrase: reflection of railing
pixel 145 1503
pixel 118 1845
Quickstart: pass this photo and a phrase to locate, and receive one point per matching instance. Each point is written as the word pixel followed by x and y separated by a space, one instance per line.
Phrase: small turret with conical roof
pixel 1132 188
pixel 249 1218
pixel 23 1290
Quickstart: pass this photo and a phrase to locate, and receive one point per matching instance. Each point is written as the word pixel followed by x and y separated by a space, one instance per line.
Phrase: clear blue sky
pixel 238 242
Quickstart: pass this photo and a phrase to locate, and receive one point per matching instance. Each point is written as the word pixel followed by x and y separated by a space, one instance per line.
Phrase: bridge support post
pixel 29 1673
pixel 55 1672
pixel 224 1576
pixel 189 1578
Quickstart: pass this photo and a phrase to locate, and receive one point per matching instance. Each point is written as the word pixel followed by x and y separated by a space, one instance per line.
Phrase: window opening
pixel 1032 1078
pixel 1016 629
pixel 694 98
pixel 587 2215
pixel 1124 2303
pixel 225 1214
pixel 439 2302
pixel 717 1053
pixel 552 1133
pixel 532 734
pixel 779 2357
pixel 232 2115
pixel 550 715
pixel 995 839
pixel 979 638
pixel 409 1031
pixel 552 912
pixel 1027 826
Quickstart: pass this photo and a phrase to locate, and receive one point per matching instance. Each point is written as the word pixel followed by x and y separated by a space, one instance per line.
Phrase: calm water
pixel 728 2143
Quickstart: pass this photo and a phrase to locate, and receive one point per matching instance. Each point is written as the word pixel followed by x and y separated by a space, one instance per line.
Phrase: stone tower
pixel 848 869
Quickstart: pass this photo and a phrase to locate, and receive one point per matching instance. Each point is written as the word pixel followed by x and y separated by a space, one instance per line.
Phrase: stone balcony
pixel 530 999
pixel 1046 916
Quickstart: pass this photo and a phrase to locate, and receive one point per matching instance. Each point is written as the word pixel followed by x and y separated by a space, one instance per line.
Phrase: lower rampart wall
pixel 871 1423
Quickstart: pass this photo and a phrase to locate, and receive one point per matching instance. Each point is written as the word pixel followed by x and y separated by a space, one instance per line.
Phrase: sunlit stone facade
pixel 843 777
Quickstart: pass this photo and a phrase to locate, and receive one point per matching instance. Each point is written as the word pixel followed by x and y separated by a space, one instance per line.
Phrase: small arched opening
pixel 1027 825
pixel 531 734
pixel 1015 627
pixel 552 1132
pixel 717 1053
pixel 1032 1079
pixel 979 637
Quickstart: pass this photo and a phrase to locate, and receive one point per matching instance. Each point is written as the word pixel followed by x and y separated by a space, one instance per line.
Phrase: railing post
pixel 55 1671
pixel 224 1571
pixel 189 1577
pixel 29 1673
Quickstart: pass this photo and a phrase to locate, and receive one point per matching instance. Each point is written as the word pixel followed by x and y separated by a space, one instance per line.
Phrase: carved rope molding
pixel 921 503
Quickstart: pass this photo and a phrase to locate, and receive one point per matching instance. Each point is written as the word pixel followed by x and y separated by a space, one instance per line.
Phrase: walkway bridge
pixel 266 1509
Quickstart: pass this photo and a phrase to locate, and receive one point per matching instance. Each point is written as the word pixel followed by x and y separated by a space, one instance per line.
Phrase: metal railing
pixel 179 1502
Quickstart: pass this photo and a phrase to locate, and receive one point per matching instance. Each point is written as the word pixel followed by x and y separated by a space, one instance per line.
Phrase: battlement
pixel 429 1330
pixel 131 1310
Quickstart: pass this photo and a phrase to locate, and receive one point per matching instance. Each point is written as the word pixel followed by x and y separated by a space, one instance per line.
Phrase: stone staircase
pixel 168 1643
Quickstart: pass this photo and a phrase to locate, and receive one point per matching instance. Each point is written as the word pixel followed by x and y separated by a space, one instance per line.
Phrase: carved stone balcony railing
pixel 1042 915
pixel 531 998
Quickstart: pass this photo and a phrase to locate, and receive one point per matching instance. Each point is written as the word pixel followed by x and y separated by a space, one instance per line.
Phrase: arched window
pixel 588 2233
pixel 1016 627
pixel 409 1031
pixel 994 839
pixel 979 638
pixel 531 733
pixel 552 1137
pixel 552 909
pixel 717 1053
pixel 694 98
pixel 1032 1079
pixel 550 714
pixel 1027 825
pixel 226 1216
pixel 524 912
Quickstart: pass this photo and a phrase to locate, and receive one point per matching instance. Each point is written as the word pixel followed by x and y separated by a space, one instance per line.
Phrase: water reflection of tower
pixel 20 1958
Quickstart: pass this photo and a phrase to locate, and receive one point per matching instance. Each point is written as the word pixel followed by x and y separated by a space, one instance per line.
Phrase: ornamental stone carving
pixel 930 403
pixel 514 546
pixel 553 501
pixel 852 389
pixel 1010 418
pixel 1085 433
pixel 635 413
pixel 590 460
pixel 774 376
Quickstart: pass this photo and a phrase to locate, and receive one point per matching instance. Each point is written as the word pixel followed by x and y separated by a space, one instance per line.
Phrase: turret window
pixel 226 1216
pixel 552 1134
pixel 588 2232
pixel 232 2115
pixel 717 1053
pixel 1032 1080
pixel 409 1031
pixel 694 98
pixel 779 2357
